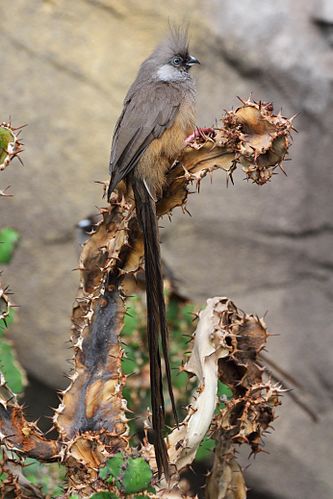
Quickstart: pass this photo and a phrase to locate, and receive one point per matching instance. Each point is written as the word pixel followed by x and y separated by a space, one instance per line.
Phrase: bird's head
pixel 171 60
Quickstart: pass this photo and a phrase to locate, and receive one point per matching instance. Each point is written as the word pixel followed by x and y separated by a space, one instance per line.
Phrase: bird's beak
pixel 191 60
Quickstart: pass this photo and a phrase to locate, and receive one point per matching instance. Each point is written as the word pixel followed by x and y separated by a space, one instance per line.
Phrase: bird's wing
pixel 147 113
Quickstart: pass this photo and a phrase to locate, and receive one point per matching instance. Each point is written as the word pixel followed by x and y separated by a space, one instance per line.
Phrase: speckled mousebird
pixel 158 115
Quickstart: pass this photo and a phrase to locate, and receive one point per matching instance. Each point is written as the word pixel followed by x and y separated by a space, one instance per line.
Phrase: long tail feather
pixel 156 319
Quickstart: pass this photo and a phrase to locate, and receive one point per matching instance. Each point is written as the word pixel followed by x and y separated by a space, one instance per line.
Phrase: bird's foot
pixel 201 133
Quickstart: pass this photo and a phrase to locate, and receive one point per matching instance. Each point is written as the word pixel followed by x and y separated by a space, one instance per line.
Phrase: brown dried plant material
pixel 251 136
pixel 13 482
pixel 16 433
pixel 251 410
pixel 228 482
pixel 209 346
pixel 19 435
pixel 246 417
pixel 227 343
pixel 91 418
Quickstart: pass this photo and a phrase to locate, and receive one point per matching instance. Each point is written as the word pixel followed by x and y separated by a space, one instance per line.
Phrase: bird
pixel 159 112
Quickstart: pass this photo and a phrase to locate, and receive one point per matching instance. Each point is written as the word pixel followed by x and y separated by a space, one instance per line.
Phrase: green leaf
pixel 4 323
pixel 115 464
pixel 128 362
pixel 128 366
pixel 103 495
pixel 131 317
pixel 179 379
pixel 188 311
pixel 137 476
pixel 50 478
pixel 112 468
pixel 10 367
pixel 8 241
pixel 172 311
pixel 205 449
pixel 131 474
pixel 58 491
pixel 127 394
pixel 3 477
pixel 223 391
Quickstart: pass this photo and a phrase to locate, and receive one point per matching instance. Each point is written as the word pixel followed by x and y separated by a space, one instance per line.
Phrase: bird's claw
pixel 201 133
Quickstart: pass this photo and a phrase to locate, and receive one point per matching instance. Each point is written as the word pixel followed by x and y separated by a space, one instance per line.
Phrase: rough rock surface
pixel 65 69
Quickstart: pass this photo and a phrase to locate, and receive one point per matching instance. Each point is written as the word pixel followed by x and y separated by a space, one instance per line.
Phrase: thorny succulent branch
pixel 91 418
pixel 246 417
pixel 19 435
pixel 10 145
pixel 227 344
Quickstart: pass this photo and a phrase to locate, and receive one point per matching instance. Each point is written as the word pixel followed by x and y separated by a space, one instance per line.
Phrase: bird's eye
pixel 176 61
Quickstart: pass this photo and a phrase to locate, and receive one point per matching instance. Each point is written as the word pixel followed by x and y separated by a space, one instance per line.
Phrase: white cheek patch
pixel 169 73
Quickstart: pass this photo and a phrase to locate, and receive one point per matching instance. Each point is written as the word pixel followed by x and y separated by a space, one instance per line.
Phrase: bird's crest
pixel 175 43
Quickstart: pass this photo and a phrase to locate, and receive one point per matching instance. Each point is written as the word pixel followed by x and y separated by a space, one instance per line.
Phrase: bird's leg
pixel 201 133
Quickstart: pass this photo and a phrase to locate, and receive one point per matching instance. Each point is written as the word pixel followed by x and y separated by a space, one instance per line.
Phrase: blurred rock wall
pixel 65 67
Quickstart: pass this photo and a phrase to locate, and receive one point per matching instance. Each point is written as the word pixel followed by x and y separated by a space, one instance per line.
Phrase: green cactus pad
pixel 10 367
pixel 6 137
pixel 8 241
pixel 131 475
pixel 137 476
pixel 112 468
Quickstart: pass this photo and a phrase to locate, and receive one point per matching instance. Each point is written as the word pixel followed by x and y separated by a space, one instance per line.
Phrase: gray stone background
pixel 65 67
